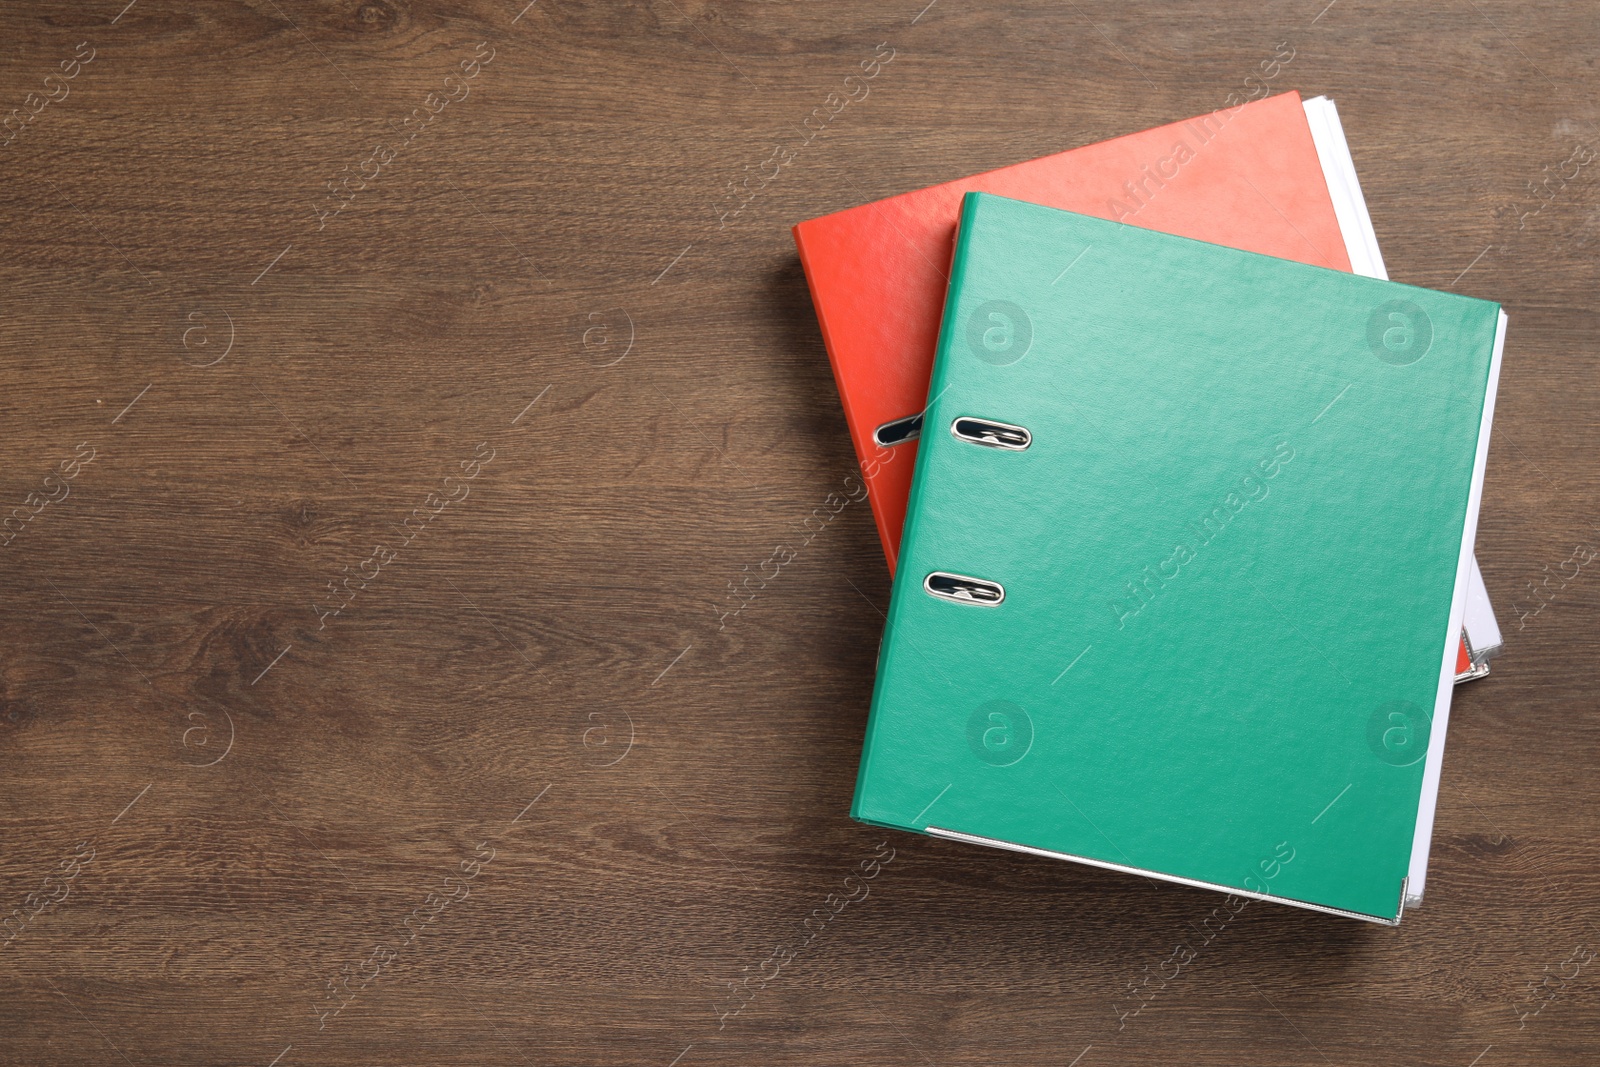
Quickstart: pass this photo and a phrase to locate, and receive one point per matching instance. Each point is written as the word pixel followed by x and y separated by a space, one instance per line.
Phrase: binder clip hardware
pixel 991 434
pixel 899 431
pixel 964 590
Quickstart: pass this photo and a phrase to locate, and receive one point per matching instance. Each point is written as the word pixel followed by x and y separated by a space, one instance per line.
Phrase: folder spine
pixel 948 330
pixel 969 206
pixel 862 440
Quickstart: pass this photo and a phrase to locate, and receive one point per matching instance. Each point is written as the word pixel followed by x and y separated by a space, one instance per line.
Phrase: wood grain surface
pixel 370 684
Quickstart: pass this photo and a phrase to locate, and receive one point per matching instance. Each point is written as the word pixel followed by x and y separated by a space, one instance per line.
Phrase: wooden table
pixel 370 692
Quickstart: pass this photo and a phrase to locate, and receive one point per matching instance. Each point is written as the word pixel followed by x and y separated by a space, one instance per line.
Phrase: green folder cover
pixel 1182 570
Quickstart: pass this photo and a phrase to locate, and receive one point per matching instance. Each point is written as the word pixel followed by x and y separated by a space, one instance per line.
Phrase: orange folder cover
pixel 1248 177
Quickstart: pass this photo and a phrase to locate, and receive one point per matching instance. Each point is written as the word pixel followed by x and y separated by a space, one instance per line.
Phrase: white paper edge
pixel 1339 171
pixel 1423 840
pixel 1482 628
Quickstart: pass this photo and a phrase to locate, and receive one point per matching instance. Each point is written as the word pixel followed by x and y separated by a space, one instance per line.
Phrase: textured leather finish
pixel 1228 556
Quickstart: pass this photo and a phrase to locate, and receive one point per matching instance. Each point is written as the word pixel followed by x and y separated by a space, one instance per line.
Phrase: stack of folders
pixel 1183 495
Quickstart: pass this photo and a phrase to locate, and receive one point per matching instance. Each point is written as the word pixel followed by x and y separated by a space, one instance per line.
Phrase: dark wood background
pixel 224 817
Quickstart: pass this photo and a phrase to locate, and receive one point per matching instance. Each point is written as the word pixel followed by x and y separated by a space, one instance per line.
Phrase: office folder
pixel 1186 562
pixel 1272 176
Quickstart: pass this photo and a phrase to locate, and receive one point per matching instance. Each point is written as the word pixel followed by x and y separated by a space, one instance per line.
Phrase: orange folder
pixel 1248 177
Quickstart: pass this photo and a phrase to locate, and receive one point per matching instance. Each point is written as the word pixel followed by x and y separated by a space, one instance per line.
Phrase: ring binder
pixel 1194 741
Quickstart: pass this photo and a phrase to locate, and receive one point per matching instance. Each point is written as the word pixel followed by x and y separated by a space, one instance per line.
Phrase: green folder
pixel 1185 562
